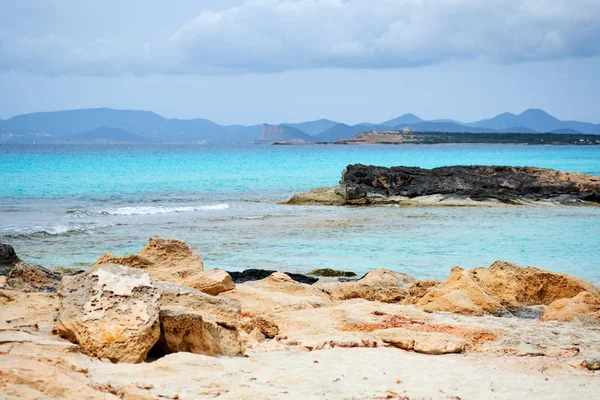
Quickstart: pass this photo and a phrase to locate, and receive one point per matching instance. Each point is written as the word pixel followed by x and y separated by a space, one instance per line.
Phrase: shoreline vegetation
pixel 399 137
pixel 158 325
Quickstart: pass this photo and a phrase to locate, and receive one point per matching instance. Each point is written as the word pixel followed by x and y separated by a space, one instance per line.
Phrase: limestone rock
pixel 8 259
pixel 267 328
pixel 515 286
pixel 502 288
pixel 461 294
pixel 566 310
pixel 419 289
pixel 184 330
pixel 172 260
pixel 111 311
pixel 592 365
pixel 379 284
pixel 27 278
pixel 276 293
pixel 217 309
pixel 64 271
pixel 422 342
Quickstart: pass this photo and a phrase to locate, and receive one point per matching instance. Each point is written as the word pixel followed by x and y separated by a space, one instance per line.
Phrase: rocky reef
pixel 132 330
pixel 455 186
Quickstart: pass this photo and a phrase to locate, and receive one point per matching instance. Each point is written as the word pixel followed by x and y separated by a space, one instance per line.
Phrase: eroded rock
pixel 422 342
pixel 8 259
pixel 172 260
pixel 584 305
pixel 27 278
pixel 111 311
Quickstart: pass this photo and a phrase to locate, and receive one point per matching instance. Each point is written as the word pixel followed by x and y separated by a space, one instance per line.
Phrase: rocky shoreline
pixel 363 185
pixel 158 325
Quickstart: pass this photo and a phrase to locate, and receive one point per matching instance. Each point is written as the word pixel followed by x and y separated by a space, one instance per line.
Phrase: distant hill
pixel 61 126
pixel 107 135
pixel 406 119
pixel 313 127
pixel 536 120
pixel 280 133
pixel 341 131
pixel 443 127
pixel 566 131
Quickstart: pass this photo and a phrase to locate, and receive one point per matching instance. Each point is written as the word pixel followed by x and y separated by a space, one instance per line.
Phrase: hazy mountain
pixel 313 127
pixel 406 119
pixel 280 133
pixel 107 135
pixel 566 130
pixel 341 131
pixel 536 120
pixel 60 126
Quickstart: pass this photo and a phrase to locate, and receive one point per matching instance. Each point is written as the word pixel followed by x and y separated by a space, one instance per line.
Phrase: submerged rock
pixel 452 186
pixel 250 275
pixel 328 272
pixel 172 260
pixel 112 312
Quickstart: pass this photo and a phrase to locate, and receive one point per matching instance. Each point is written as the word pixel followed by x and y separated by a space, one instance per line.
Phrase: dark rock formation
pixel 258 274
pixel 8 259
pixel 328 272
pixel 27 278
pixel 365 185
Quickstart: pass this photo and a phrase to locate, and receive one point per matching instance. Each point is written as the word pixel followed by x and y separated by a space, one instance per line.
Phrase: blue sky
pixel 286 61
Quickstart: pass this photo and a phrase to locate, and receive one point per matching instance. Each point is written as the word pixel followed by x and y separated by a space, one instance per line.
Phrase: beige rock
pixel 26 378
pixel 420 288
pixel 27 278
pixel 3 282
pixel 502 288
pixel 514 286
pixel 112 312
pixel 422 342
pixel 20 308
pixel 185 330
pixel 379 284
pixel 275 293
pixel 267 328
pixel 566 310
pixel 461 294
pixel 172 260
pixel 217 309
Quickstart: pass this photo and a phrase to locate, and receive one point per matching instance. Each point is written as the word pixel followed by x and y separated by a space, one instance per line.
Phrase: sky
pixel 255 61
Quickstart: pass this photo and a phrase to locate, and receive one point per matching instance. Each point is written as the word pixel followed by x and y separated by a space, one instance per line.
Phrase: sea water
pixel 67 205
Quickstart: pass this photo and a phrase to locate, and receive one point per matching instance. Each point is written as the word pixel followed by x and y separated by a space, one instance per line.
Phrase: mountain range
pixel 104 125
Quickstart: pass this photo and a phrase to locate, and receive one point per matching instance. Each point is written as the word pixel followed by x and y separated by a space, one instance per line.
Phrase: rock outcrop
pixel 112 312
pixel 249 275
pixel 502 288
pixel 379 284
pixel 172 260
pixel 582 306
pixel 456 185
pixel 8 259
pixel 27 278
pixel 195 322
pixel 422 342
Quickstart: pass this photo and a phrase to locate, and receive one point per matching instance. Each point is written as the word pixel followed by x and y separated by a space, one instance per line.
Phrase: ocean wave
pixel 55 230
pixel 245 218
pixel 149 210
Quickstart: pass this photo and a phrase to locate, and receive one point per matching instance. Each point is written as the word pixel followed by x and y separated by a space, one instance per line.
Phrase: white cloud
pixel 273 35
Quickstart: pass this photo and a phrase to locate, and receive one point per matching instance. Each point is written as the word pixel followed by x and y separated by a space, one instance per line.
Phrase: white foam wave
pixel 151 210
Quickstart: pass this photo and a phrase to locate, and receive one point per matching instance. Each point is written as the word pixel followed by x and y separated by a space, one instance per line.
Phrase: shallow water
pixel 67 205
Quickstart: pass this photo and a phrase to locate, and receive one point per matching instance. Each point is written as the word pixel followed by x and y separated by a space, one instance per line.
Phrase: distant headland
pixel 104 125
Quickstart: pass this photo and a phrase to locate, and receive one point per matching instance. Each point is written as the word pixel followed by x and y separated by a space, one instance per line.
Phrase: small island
pixel 363 185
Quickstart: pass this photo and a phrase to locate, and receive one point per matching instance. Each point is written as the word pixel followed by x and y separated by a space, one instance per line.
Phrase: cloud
pixel 277 35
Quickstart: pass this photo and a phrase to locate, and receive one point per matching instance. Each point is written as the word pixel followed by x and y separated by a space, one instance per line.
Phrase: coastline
pixel 498 332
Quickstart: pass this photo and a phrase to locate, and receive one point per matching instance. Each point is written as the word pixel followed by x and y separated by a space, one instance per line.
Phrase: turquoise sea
pixel 66 205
